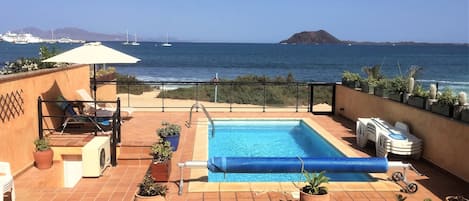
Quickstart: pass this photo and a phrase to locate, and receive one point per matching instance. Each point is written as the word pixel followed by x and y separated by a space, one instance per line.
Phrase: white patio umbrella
pixel 93 53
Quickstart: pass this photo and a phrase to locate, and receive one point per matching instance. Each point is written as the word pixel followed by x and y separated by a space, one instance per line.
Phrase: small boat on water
pixel 167 44
pixel 135 43
pixel 126 38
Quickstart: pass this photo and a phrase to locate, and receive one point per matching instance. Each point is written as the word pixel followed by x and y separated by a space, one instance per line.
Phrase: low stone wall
pixel 19 112
pixel 446 141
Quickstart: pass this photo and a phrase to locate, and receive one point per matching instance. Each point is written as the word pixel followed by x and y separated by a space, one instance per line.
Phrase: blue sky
pixel 262 21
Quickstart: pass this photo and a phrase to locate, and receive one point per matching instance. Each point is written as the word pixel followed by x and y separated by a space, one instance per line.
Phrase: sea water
pixel 447 64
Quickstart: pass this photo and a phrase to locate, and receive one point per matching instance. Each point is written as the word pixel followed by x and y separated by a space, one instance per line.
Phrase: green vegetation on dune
pixel 130 84
pixel 251 89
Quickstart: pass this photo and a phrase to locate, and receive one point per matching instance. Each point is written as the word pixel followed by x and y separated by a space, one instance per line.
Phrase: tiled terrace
pixel 120 182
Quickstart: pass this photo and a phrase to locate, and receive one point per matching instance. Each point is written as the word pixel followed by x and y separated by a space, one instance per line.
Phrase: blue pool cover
pixel 296 165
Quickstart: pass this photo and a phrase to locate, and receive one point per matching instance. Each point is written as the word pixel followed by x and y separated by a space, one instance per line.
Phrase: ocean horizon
pixel 446 64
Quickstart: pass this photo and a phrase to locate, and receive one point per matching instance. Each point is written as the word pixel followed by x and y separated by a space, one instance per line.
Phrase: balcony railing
pixel 234 96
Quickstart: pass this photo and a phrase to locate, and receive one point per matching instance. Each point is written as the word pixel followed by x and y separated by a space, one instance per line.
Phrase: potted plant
pixel 170 132
pixel 373 75
pixel 461 106
pixel 43 155
pixel 150 190
pixel 350 79
pixel 314 189
pixel 161 163
pixel 445 103
pixel 431 97
pixel 398 86
pixel 382 88
pixel 411 76
pixel 418 97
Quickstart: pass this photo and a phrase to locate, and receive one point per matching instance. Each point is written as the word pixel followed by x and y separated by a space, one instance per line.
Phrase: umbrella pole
pixel 94 91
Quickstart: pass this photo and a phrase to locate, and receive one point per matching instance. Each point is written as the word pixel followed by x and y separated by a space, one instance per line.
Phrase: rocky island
pixel 312 37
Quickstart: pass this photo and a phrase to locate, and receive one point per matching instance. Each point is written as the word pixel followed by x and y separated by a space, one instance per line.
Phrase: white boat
pixel 167 44
pixel 69 40
pixel 9 37
pixel 126 39
pixel 135 43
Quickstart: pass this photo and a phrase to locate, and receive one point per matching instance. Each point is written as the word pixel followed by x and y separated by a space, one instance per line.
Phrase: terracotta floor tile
pixel 210 195
pixel 244 195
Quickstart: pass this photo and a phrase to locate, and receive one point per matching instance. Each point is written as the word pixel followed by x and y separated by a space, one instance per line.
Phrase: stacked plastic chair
pixel 388 139
pixel 6 180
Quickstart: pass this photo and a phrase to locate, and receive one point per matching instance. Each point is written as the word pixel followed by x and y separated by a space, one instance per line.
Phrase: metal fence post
pixel 162 97
pixel 197 96
pixel 119 120
pixel 333 98
pixel 311 94
pixel 128 94
pixel 297 96
pixel 263 107
pixel 39 117
pixel 231 97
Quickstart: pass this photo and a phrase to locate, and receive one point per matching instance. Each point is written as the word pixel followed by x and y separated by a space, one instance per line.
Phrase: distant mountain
pixel 73 33
pixel 312 37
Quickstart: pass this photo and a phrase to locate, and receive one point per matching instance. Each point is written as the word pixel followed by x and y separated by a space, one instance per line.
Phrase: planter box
pixel 417 101
pixel 161 171
pixel 446 110
pixel 173 140
pixel 430 102
pixel 381 92
pixel 465 115
pixel 351 84
pixel 396 97
pixel 367 88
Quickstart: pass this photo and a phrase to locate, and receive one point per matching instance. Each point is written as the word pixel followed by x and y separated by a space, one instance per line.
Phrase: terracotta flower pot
pixel 149 198
pixel 160 171
pixel 308 197
pixel 43 159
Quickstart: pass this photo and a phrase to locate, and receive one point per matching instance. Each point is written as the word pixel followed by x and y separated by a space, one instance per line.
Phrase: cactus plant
pixel 432 92
pixel 411 84
pixel 462 98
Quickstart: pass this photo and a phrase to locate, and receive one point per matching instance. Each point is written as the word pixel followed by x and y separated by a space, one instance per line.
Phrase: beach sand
pixel 148 101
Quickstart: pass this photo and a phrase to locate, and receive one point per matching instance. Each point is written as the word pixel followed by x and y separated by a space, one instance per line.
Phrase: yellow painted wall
pixel 18 108
pixel 446 141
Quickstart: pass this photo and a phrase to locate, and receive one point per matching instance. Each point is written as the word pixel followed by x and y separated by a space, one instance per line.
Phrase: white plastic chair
pixel 6 180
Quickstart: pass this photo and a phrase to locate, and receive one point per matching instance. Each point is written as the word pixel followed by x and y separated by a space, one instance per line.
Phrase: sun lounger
pixel 388 139
pixel 74 117
pixel 85 96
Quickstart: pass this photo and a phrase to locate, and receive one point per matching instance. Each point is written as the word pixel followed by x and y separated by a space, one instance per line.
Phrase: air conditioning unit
pixel 96 156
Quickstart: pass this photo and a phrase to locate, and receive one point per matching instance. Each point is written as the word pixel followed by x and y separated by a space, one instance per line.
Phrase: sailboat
pixel 127 39
pixel 135 41
pixel 167 44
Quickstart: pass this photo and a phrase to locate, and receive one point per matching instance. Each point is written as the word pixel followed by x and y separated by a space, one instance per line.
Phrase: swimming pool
pixel 270 138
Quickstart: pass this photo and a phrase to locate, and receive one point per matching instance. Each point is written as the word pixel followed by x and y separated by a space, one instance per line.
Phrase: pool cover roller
pixel 296 165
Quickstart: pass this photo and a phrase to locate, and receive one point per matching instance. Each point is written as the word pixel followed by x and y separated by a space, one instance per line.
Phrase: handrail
pixel 198 105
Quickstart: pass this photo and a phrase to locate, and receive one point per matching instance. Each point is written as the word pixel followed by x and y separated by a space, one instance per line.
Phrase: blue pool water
pixel 266 138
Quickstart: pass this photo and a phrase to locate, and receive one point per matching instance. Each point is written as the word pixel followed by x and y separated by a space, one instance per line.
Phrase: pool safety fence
pixel 297 96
